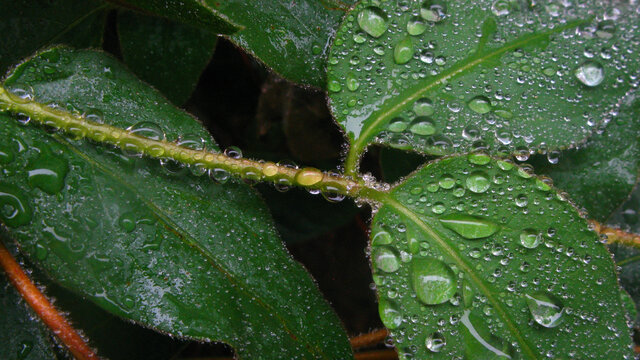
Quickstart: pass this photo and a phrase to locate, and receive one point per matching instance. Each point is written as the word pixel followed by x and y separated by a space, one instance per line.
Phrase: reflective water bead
pixel 373 21
pixel 433 281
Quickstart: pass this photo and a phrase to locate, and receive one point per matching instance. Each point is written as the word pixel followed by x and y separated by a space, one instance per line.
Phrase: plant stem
pixel 79 127
pixel 369 339
pixel 43 307
pixel 617 236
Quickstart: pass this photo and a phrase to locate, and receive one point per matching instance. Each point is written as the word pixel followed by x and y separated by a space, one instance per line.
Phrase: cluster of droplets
pixel 490 211
pixel 362 78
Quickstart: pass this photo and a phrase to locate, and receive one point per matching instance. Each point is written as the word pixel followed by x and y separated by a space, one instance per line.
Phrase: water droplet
pixel 22 94
pixel 546 309
pixel 127 222
pixel 24 349
pixel 233 152
pixel 432 11
pixel 521 200
pixel 479 343
pixel 422 126
pixel 14 207
pixel 479 158
pixel 397 125
pixel 47 172
pixel 308 177
pixel 373 21
pixel 433 281
pixel 145 129
pixel 435 342
pixel 386 259
pixel 469 226
pixel 416 26
pixel 219 175
pixel 381 238
pixel 530 238
pixel 6 154
pixel 480 104
pixel 423 107
pixel 389 314
pixel 352 82
pixel 590 73
pixel 438 208
pixel 501 7
pixel 478 182
pixel 403 51
pixel 606 29
pixel 447 181
pixel 94 115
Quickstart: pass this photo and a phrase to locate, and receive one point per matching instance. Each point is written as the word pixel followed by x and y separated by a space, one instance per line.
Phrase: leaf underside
pixel 512 76
pixel 476 258
pixel 151 243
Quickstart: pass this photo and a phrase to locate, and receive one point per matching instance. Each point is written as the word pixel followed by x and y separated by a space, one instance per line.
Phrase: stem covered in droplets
pixel 330 184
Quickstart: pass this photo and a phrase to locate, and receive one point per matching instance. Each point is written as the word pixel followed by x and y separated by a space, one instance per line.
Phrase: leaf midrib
pixel 190 240
pixel 454 256
pixel 457 69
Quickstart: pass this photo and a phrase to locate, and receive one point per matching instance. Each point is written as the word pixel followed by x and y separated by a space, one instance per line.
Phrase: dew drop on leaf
pixel 422 126
pixel 373 21
pixel 14 207
pixel 545 309
pixel 416 26
pixel 480 104
pixel 590 73
pixel 389 313
pixel 435 342
pixel 478 182
pixel 386 259
pixel 530 238
pixel 433 281
pixel 469 226
pixel 403 51
pixel 423 107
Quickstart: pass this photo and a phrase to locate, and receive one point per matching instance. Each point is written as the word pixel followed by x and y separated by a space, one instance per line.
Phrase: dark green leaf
pixel 600 175
pixel 22 335
pixel 167 55
pixel 27 26
pixel 173 252
pixel 476 258
pixel 447 76
pixel 191 12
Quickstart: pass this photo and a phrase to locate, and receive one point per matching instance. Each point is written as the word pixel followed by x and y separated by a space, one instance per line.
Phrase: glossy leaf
pixel 447 76
pixel 168 55
pixel 191 12
pixel 600 174
pixel 520 275
pixel 27 26
pixel 174 252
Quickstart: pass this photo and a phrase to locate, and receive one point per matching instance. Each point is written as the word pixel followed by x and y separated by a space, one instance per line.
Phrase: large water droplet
pixel 416 26
pixel 480 104
pixel 423 107
pixel 422 126
pixel 469 226
pixel 479 343
pixel 386 259
pixel 590 73
pixel 403 51
pixel 432 11
pixel 308 176
pixel 389 313
pixel 381 238
pixel 47 172
pixel 478 182
pixel 14 207
pixel 546 309
pixel 433 281
pixel 530 238
pixel 373 21
pixel 435 342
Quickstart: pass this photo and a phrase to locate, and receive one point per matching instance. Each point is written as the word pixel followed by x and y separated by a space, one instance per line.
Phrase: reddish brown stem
pixel 373 338
pixel 387 354
pixel 617 236
pixel 43 308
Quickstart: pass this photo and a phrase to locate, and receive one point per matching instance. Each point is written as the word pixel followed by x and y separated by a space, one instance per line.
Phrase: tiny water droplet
pixel 386 259
pixel 389 313
pixel 480 104
pixel 478 182
pixel 403 51
pixel 373 21
pixel 433 281
pixel 14 206
pixel 501 8
pixel 469 226
pixel 545 309
pixel 530 238
pixel 435 342
pixel 590 73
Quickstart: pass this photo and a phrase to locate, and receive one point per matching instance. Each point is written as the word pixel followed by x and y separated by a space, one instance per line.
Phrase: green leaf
pixel 518 275
pixel 27 26
pixel 190 12
pixel 22 335
pixel 174 252
pixel 601 174
pixel 444 76
pixel 168 55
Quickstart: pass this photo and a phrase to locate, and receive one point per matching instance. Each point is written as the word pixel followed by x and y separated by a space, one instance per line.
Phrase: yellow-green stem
pixel 79 127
